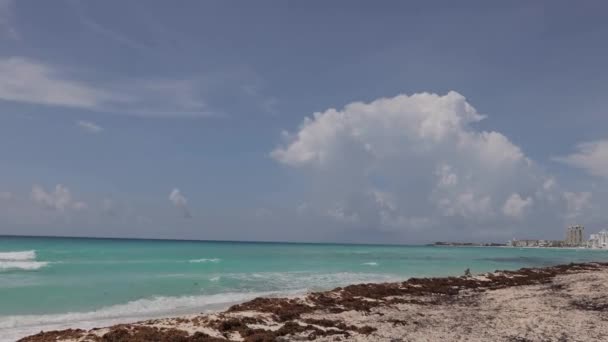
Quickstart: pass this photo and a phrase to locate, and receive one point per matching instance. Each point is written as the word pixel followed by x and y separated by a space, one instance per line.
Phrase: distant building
pixel 526 243
pixel 599 240
pixel 535 243
pixel 574 236
pixel 556 243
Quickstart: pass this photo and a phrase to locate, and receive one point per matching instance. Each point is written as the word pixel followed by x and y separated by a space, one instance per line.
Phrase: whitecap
pixel 18 256
pixel 204 260
pixel 215 278
pixel 371 263
pixel 22 265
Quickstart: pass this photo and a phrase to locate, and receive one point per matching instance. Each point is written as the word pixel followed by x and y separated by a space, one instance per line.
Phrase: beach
pixel 556 303
pixel 222 171
pixel 52 284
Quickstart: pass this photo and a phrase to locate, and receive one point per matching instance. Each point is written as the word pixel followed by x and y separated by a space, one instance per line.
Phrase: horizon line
pixel 205 240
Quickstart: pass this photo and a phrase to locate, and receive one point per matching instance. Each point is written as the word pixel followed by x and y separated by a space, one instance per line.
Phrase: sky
pixel 342 121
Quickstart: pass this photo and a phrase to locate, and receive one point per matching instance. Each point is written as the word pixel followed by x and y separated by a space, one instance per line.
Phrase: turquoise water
pixel 48 283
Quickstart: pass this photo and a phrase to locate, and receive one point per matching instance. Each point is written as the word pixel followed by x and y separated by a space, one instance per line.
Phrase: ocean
pixel 53 283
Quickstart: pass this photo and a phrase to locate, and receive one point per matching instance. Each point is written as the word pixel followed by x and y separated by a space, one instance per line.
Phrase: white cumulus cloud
pixel 5 195
pixel 516 206
pixel 576 203
pixel 468 205
pixel 338 213
pixel 591 157
pixel 180 202
pixel 59 199
pixel 446 176
pixel 422 159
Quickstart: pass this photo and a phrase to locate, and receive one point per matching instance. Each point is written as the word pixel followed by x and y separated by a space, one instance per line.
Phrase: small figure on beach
pixel 467 273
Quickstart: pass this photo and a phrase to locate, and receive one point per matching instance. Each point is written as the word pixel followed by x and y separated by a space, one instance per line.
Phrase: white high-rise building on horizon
pixel 599 240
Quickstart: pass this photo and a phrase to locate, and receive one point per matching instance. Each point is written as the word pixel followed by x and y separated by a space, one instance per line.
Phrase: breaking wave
pixel 18 256
pixel 15 327
pixel 20 260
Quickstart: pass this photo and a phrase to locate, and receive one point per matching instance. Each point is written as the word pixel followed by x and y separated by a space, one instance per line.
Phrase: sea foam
pixel 18 256
pixel 15 327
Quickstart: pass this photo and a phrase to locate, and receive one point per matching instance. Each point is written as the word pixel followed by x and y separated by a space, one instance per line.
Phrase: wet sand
pixel 560 303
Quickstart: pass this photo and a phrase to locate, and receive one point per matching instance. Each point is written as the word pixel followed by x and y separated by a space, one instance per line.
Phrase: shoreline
pixel 517 305
pixel 527 247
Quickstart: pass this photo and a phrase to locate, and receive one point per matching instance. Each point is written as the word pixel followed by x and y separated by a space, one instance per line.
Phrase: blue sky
pixel 472 121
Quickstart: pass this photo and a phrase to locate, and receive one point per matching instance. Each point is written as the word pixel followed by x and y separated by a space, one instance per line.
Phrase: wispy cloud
pixel 591 157
pixel 89 126
pixel 255 91
pixel 23 80
pixel 103 30
pixel 7 29
pixel 33 82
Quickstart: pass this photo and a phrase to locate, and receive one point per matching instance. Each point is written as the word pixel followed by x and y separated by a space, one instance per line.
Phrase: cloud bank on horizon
pixel 360 133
